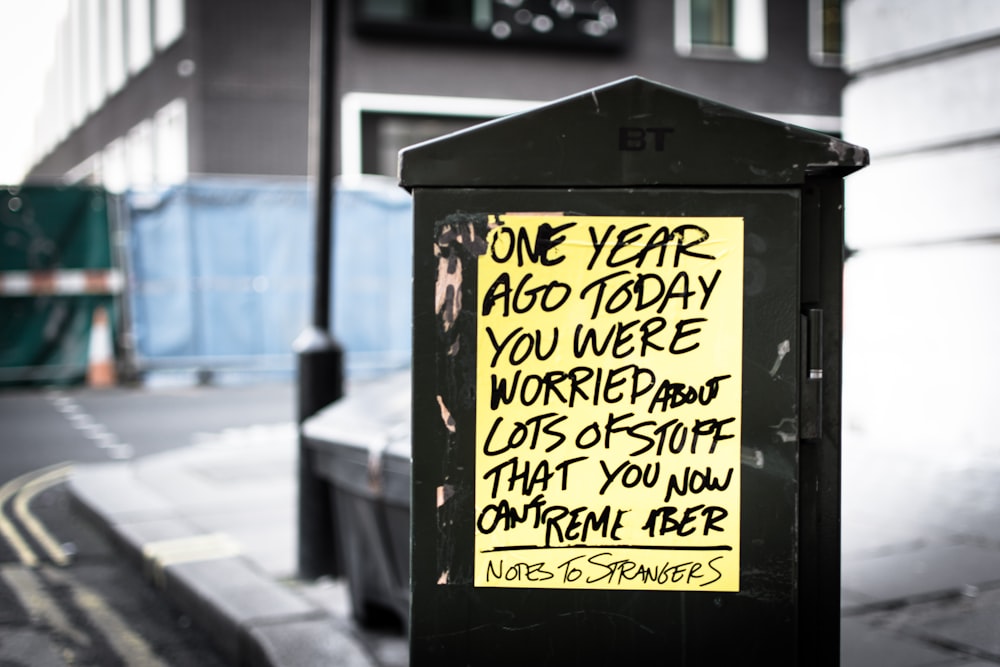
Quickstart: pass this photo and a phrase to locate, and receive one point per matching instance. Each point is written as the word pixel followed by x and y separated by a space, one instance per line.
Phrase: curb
pixel 251 618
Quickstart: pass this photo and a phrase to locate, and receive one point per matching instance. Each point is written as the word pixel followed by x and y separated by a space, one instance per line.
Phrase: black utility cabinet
pixel 626 386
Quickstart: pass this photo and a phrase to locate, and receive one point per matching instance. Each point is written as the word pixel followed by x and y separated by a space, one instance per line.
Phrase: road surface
pixel 66 597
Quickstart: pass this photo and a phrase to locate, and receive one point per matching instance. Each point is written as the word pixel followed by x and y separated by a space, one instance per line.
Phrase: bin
pixel 361 446
pixel 626 375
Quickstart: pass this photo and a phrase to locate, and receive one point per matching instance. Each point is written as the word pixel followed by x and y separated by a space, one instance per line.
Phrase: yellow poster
pixel 609 377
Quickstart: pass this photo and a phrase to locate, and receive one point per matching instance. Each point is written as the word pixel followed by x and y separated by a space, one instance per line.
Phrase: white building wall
pixel 883 31
pixel 922 310
pixel 929 103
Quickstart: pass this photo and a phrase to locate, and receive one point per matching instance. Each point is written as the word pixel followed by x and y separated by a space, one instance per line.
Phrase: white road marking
pixel 93 430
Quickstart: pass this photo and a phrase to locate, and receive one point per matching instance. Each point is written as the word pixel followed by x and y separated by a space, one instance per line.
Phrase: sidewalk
pixel 213 526
pixel 920 581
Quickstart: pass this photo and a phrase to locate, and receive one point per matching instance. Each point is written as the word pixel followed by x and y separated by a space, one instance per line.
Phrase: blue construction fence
pixel 219 275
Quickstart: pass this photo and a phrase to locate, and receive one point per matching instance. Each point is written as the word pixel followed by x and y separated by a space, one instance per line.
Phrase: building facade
pixel 148 92
pixel 923 224
pixel 153 91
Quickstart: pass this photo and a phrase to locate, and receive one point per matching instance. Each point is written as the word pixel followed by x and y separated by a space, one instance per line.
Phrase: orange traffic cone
pixel 100 354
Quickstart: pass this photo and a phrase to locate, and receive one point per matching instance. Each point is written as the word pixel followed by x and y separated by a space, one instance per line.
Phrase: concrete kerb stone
pixel 249 615
pixel 933 572
pixel 296 644
pixel 120 507
pixel 228 598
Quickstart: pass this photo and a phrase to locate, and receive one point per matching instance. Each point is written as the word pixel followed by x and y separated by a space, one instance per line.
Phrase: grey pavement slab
pixel 865 645
pixel 146 531
pixel 852 601
pixel 114 491
pixel 267 535
pixel 388 646
pixel 972 624
pixel 226 474
pixel 920 573
pixel 965 628
pixel 244 487
pixel 894 492
pixel 295 644
pixel 228 597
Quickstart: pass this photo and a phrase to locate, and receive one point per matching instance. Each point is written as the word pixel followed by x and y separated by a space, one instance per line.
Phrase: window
pixel 67 83
pixel 75 65
pixel 712 23
pixel 62 106
pixel 139 154
pixel 384 135
pixel 825 32
pixel 170 126
pixel 46 121
pixel 477 12
pixel 571 23
pixel 140 47
pixel 115 172
pixel 114 53
pixel 734 29
pixel 375 126
pixel 169 22
pixel 93 43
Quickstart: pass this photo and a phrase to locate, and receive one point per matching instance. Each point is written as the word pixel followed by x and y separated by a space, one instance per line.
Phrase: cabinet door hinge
pixel 811 381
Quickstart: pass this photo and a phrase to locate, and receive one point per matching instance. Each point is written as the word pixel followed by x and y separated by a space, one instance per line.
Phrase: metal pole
pixel 320 359
pixel 321 155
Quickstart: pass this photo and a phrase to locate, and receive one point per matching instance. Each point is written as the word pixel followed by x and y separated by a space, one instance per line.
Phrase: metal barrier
pixel 56 271
pixel 220 275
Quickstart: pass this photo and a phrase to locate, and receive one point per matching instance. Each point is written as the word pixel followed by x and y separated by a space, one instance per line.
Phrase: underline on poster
pixel 645 547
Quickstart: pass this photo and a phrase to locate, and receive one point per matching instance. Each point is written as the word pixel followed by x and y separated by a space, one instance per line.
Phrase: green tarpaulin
pixel 49 234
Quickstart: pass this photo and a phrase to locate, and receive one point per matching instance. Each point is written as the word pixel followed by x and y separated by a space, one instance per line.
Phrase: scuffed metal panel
pixel 762 617
pixel 458 240
pixel 629 133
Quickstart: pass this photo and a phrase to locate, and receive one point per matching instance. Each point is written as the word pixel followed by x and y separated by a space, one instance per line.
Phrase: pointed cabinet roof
pixel 629 133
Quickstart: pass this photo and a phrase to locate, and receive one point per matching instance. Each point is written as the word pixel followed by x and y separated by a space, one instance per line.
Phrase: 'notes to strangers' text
pixel 608 414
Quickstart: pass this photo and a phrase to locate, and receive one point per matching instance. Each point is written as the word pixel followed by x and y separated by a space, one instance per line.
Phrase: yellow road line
pixel 37 480
pixel 25 495
pixel 39 604
pixel 9 530
pixel 124 641
pixel 211 546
